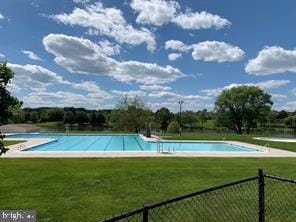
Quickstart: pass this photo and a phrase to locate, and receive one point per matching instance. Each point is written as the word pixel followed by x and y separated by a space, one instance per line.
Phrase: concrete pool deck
pixel 277 139
pixel 15 151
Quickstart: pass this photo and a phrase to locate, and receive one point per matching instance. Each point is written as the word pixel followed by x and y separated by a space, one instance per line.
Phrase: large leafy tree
pixel 202 116
pixel 163 116
pixel 291 122
pixel 282 114
pixel 130 114
pixel 92 118
pixel 55 114
pixel 188 118
pixel 242 107
pixel 8 103
pixel 101 120
pixel 81 117
pixel 69 117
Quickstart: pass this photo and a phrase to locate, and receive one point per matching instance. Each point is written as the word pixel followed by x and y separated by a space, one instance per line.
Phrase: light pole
pixel 180 119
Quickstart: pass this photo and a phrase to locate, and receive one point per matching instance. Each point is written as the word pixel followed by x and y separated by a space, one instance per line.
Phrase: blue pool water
pixel 77 142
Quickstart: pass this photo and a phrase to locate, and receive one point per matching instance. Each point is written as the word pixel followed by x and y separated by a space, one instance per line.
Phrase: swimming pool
pixel 129 143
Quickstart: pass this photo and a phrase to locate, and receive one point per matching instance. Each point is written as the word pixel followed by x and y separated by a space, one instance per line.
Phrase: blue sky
pixel 88 53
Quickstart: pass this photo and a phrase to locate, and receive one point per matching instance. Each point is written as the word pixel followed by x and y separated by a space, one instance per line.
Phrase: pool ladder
pixel 21 147
pixel 159 147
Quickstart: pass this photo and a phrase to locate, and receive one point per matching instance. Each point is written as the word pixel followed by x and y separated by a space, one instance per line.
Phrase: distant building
pixel 19 128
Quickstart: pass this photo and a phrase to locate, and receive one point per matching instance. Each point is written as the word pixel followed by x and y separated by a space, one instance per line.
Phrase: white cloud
pixel 195 76
pixel 34 77
pixel 108 48
pixel 34 4
pixel 278 97
pixel 212 92
pixel 93 89
pixel 155 12
pixel 293 92
pixel 1 16
pixel 155 88
pixel 209 50
pixel 289 106
pixel 272 60
pixel 130 93
pixel 174 56
pixel 171 96
pixel 107 21
pixel 37 79
pixel 269 84
pixel 2 56
pixel 200 20
pixel 32 55
pixel 170 100
pixel 173 106
pixel 160 12
pixel 14 88
pixel 80 55
pixel 81 1
pixel 217 51
pixel 62 99
pixel 177 45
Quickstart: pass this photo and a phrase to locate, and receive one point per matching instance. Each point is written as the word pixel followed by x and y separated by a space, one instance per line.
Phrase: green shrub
pixel 173 127
pixel 3 150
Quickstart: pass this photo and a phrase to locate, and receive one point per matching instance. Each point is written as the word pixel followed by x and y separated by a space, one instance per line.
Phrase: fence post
pixel 145 214
pixel 261 197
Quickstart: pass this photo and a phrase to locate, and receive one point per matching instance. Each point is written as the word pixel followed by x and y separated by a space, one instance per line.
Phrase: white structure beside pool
pixel 286 140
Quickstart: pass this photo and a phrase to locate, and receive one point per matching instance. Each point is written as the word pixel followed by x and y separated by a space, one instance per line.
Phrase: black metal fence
pixel 260 198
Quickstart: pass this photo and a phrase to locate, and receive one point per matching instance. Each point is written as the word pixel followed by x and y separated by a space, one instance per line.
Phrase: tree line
pixel 66 115
pixel 131 115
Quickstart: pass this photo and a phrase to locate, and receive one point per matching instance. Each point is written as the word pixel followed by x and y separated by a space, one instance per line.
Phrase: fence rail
pixel 260 198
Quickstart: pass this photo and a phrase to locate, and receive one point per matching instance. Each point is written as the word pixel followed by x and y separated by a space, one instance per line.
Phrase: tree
pixel 7 101
pixel 130 114
pixel 55 114
pixel 271 118
pixel 101 120
pixel 188 117
pixel 282 114
pixel 18 116
pixel 291 122
pixel 44 116
pixel 81 117
pixel 3 149
pixel 173 127
pixel 34 116
pixel 202 116
pixel 117 118
pixel 69 117
pixel 92 118
pixel 242 106
pixel 163 116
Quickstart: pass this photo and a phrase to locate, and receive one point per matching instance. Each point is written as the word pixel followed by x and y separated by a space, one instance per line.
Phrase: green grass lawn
pixel 233 137
pixel 12 142
pixel 90 189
